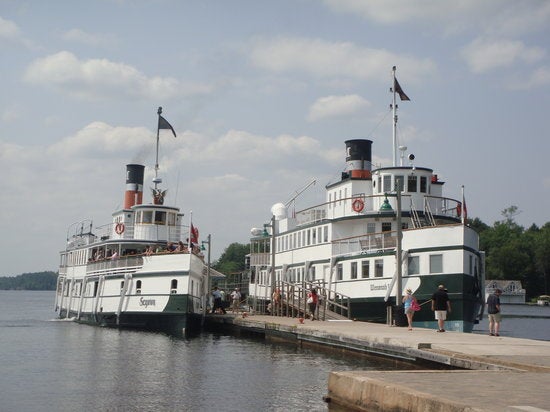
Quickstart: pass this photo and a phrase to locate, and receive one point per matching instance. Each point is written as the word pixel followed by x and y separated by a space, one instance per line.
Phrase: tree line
pixel 29 281
pixel 512 253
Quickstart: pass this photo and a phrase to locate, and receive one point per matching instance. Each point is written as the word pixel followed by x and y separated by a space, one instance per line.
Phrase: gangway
pixel 293 303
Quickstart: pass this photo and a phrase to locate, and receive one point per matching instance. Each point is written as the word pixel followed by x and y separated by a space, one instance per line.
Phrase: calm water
pixel 49 365
pixel 521 321
pixel 52 365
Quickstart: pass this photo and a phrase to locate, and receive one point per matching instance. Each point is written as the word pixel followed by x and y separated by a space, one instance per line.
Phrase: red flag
pixel 194 234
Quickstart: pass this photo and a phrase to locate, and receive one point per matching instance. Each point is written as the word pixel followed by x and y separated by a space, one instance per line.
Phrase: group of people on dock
pixel 441 305
pixel 219 302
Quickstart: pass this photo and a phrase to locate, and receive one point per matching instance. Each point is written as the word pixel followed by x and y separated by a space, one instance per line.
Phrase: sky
pixel 262 96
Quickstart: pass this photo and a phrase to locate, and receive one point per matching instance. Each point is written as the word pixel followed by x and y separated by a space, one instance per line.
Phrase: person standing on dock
pixel 441 305
pixel 312 300
pixel 408 303
pixel 493 309
pixel 218 307
pixel 235 300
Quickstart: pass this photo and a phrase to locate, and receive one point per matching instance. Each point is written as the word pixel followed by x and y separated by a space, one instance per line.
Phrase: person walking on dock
pixel 409 302
pixel 235 300
pixel 218 307
pixel 312 300
pixel 440 306
pixel 493 309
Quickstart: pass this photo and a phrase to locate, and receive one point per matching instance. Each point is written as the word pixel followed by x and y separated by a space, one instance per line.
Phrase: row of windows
pixel 93 288
pixel 390 183
pixel 302 238
pixel 364 270
pixel 156 216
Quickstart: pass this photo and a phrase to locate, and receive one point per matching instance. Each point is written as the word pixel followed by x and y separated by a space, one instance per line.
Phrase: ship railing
pixel 163 233
pixel 331 305
pixel 371 243
pixel 122 264
pixel 260 259
pixel 432 206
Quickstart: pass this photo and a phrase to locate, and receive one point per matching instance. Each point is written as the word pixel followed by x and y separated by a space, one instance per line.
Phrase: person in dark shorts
pixel 440 306
pixel 493 309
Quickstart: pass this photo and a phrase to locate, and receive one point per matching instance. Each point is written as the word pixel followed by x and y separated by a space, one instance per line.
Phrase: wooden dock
pixel 497 373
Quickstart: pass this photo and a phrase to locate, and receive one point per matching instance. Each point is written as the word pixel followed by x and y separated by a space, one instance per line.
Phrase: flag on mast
pixel 163 124
pixel 194 234
pixel 464 209
pixel 399 90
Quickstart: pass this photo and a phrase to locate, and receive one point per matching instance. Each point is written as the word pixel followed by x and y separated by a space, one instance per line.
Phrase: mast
pixel 394 110
pixel 157 180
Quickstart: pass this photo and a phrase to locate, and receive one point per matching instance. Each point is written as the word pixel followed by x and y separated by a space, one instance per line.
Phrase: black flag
pixel 163 124
pixel 400 91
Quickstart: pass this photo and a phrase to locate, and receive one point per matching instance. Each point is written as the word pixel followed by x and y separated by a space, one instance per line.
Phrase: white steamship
pixel 122 275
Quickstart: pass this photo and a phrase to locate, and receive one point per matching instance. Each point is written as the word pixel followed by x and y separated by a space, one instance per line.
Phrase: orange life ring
pixel 358 205
pixel 119 228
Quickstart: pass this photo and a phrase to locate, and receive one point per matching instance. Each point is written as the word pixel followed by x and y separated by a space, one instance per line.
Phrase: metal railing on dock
pixel 292 301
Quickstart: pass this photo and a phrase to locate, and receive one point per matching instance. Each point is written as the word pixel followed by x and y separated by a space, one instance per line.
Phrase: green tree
pixel 232 259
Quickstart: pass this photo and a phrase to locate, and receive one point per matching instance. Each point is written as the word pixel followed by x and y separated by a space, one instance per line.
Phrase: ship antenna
pixel 396 89
pixel 394 125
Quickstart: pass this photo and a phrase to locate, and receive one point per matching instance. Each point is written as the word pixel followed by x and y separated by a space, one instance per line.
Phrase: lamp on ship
pixel 386 207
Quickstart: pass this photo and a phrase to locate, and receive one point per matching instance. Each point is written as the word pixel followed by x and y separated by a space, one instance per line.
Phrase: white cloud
pixel 90 39
pixel 483 55
pixel 324 59
pixel 502 17
pixel 10 32
pixel 540 77
pixel 333 106
pixel 103 79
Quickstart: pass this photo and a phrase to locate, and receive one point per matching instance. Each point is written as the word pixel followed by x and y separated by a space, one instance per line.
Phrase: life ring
pixel 119 228
pixel 357 205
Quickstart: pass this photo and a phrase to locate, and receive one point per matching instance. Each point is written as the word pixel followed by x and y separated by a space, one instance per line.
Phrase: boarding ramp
pixel 293 302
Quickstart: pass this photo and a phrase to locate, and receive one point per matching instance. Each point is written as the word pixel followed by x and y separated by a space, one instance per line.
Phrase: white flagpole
pixel 394 107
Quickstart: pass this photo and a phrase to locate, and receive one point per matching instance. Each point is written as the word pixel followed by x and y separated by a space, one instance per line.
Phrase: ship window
pixel 371 227
pixel 171 219
pixel 436 263
pixel 339 272
pixel 96 286
pixel 387 183
pixel 378 268
pixel 174 286
pixel 386 226
pixel 160 217
pixel 379 184
pixel 138 287
pixel 147 217
pixel 365 269
pixel 412 183
pixel 423 184
pixel 312 271
pixel 399 183
pixel 413 265
pixel 308 240
pixel 313 236
pixel 354 270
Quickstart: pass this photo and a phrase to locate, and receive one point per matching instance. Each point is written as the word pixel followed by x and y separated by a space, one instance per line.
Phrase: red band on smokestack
pixel 134 185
